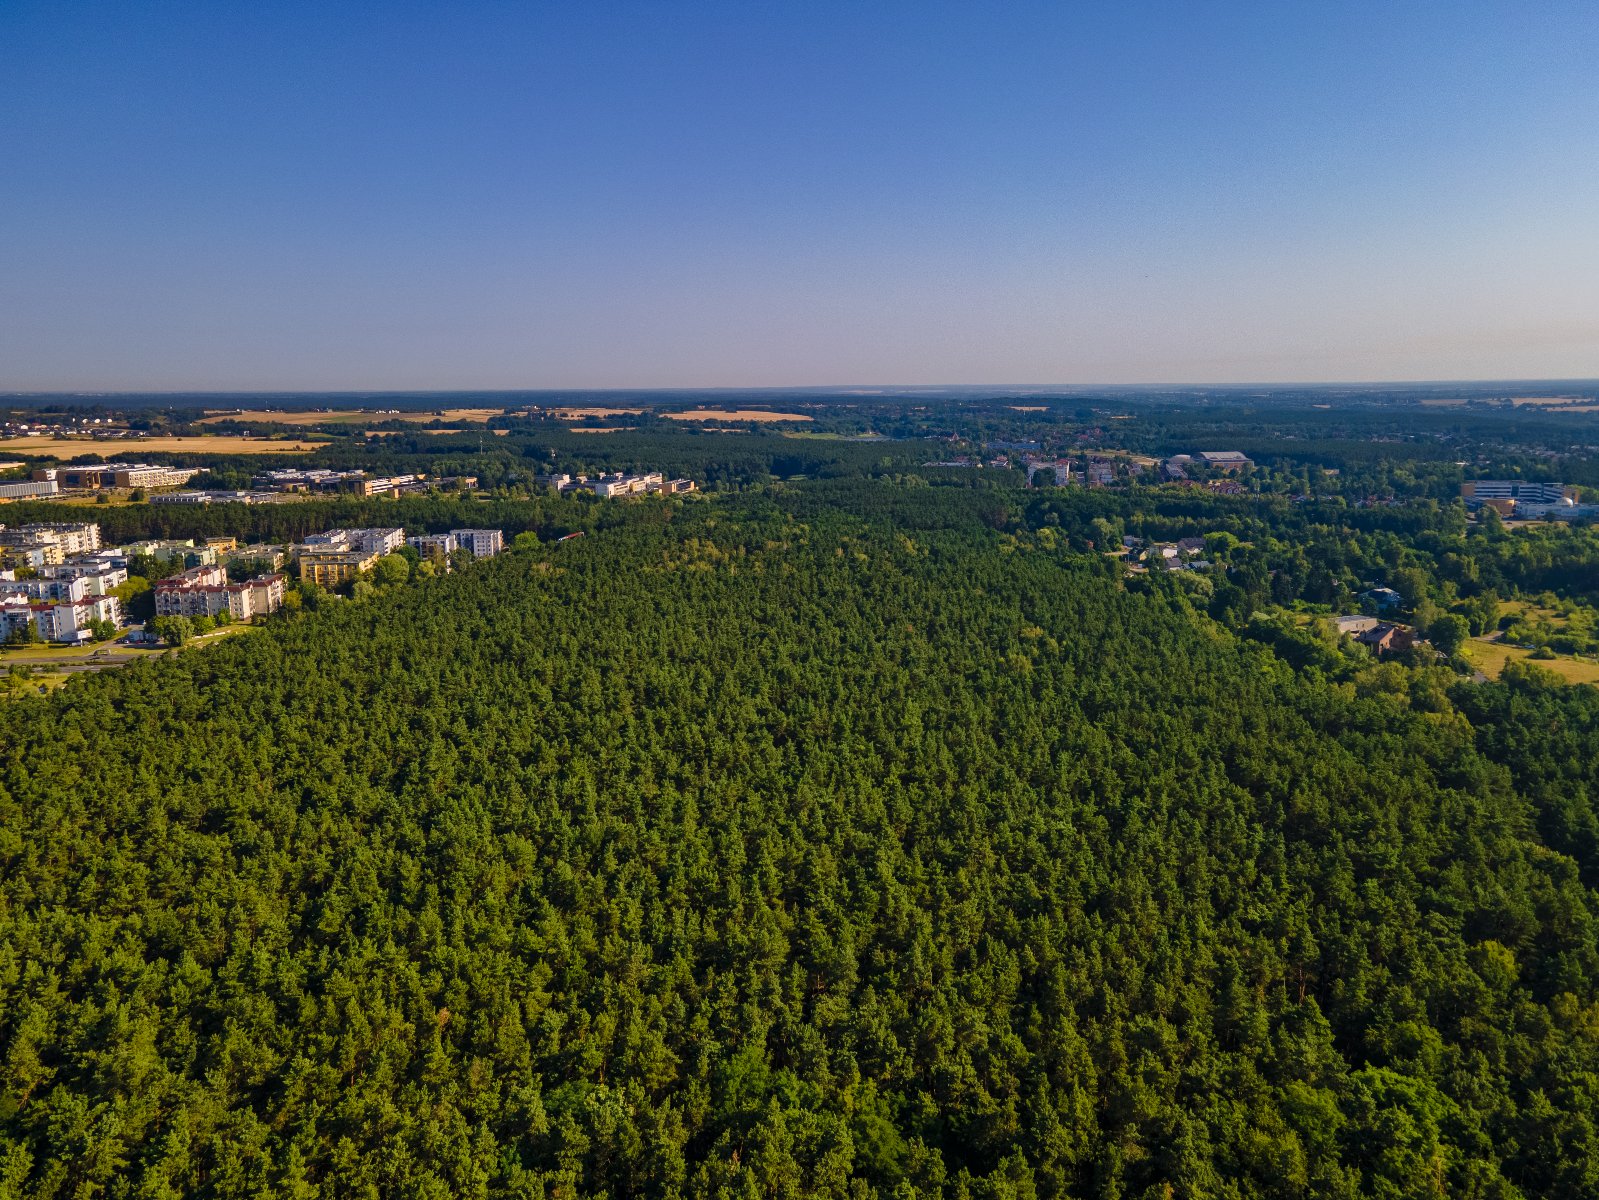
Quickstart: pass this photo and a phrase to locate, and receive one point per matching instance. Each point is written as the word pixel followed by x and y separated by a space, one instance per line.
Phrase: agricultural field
pixel 131 448
pixel 581 412
pixel 737 414
pixel 352 416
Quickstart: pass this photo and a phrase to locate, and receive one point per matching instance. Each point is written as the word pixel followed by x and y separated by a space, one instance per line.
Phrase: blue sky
pixel 474 195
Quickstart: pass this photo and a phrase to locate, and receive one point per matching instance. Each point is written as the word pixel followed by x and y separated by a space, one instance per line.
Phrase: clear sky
pixel 337 194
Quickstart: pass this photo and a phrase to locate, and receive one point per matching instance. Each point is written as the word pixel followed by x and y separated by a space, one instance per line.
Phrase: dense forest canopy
pixel 841 839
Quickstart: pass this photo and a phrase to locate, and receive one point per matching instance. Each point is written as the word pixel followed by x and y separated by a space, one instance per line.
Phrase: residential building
pixel 330 566
pixel 372 541
pixel 99 575
pixel 1385 638
pixel 262 552
pixel 41 545
pixel 185 551
pixel 435 547
pixel 1382 599
pixel 483 543
pixel 206 592
pixel 55 621
pixel 1352 625
pixel 63 591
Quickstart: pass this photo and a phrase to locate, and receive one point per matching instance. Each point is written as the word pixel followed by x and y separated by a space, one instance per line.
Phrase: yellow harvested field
pixel 350 416
pixel 131 448
pixel 1549 400
pixel 1028 407
pixel 737 414
pixel 1490 658
pixel 577 414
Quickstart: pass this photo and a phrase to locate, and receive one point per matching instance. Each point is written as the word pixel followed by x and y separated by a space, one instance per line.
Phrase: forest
pixel 846 839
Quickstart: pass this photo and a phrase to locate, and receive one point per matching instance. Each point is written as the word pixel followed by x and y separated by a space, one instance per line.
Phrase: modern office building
pixel 1522 491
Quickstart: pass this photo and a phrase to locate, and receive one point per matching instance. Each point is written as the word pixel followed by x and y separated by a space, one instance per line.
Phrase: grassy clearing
pixel 1490 658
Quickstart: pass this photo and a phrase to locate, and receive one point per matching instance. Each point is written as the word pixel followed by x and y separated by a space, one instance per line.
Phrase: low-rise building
pixel 620 484
pixel 124 475
pixel 22 489
pixel 1225 460
pixel 1385 638
pixel 1356 624
pixel 1381 598
pixel 216 497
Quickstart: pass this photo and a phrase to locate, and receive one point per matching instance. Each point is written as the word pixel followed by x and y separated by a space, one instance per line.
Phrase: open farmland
pixel 580 413
pixel 351 416
pixel 131 448
pixel 737 414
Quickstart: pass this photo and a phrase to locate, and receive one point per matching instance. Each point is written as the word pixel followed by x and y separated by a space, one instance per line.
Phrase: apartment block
pixel 330 566
pixel 483 543
pixel 44 544
pixel 55 621
pixel 434 547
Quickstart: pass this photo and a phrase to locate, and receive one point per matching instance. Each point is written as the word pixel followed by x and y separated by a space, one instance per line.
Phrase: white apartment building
pixel 483 543
pixel 434 547
pixel 56 622
pixel 60 541
pixel 97 575
pixel 367 541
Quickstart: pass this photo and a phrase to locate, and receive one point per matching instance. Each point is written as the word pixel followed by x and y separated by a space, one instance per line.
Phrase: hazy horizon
pixel 300 198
